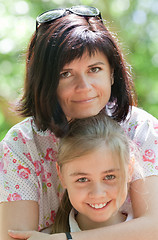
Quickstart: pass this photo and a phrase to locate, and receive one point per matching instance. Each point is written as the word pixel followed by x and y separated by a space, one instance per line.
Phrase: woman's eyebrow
pixel 97 63
pixel 66 69
pixel 91 65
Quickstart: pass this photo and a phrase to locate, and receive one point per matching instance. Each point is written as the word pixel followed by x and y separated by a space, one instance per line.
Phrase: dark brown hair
pixel 58 43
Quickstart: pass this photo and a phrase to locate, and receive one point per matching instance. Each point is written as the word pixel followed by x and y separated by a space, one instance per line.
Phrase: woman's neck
pixel 87 224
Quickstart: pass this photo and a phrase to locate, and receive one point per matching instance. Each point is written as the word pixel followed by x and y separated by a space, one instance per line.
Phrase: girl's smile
pixel 98 205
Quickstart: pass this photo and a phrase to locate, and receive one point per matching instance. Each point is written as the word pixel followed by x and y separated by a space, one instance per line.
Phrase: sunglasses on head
pixel 54 14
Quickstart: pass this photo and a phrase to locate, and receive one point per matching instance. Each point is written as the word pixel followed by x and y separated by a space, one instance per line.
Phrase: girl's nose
pixel 98 191
pixel 83 83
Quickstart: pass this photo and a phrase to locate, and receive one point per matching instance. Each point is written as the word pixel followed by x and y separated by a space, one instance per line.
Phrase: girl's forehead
pixel 96 160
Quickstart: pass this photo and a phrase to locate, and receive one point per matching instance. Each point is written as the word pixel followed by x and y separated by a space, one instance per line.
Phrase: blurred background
pixel 134 21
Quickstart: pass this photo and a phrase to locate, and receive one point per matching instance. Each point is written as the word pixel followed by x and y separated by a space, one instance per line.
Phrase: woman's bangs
pixel 75 46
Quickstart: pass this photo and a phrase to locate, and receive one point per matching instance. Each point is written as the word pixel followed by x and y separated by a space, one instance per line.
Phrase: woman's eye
pixel 110 177
pixel 65 74
pixel 82 180
pixel 95 69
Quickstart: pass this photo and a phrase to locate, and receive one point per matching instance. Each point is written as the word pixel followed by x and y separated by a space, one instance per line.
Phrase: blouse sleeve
pixel 18 179
pixel 143 130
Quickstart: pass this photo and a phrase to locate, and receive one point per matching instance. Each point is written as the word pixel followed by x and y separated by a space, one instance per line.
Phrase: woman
pixel 74 70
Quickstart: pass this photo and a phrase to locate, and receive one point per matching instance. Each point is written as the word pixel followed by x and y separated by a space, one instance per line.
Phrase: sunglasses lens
pixel 85 10
pixel 50 15
pixel 57 13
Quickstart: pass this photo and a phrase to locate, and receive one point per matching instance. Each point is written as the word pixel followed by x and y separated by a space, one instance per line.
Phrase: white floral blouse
pixel 28 156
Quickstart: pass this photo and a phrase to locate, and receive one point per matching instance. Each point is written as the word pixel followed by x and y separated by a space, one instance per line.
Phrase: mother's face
pixel 85 86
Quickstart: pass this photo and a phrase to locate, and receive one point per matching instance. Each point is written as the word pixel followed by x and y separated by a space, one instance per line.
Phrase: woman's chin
pixel 85 114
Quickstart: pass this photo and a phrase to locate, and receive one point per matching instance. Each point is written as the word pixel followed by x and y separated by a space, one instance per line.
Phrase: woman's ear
pixel 60 175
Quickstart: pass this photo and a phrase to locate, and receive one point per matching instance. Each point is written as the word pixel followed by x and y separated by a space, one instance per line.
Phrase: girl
pixel 94 168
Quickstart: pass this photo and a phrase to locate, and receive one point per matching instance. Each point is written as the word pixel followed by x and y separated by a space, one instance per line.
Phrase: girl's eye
pixel 65 74
pixel 110 177
pixel 82 180
pixel 95 69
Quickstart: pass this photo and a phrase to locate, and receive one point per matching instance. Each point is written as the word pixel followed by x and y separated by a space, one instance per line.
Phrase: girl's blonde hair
pixel 85 136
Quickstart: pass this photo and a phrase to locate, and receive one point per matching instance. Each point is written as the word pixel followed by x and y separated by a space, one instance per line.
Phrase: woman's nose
pixel 83 83
pixel 98 191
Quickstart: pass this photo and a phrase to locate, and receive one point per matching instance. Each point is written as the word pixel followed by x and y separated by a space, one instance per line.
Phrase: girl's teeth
pixel 97 206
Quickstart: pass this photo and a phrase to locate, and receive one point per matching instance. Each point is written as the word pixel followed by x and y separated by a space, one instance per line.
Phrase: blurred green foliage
pixel 134 21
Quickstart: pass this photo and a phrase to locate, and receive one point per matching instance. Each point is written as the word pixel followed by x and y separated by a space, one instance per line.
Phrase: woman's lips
pixel 85 100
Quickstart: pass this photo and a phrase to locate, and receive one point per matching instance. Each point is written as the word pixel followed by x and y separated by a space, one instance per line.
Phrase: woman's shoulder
pixel 138 114
pixel 138 117
pixel 26 129
pixel 24 137
pixel 142 128
pixel 140 124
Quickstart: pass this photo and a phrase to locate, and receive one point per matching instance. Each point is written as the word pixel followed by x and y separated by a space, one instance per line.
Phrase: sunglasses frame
pixel 70 10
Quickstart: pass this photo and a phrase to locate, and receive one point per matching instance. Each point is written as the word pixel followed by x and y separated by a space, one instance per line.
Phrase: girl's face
pixel 92 182
pixel 85 86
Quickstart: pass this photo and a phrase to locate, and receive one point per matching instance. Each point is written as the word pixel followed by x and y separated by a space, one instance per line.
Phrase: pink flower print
pixel 4 163
pixel 50 155
pixel 7 188
pixel 28 155
pixel 21 136
pixel 9 198
pixel 46 176
pixel 138 144
pixel 6 185
pixel 14 197
pixel 54 138
pixel 53 214
pixel 6 154
pixel 149 156
pixel 42 161
pixel 44 179
pixel 38 167
pixel 47 224
pixel 156 127
pixel 49 175
pixel 23 172
pixel 1 166
pixel 14 135
pixel 49 184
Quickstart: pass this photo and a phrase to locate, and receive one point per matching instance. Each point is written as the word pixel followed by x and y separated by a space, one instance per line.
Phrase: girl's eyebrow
pixel 86 174
pixel 78 174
